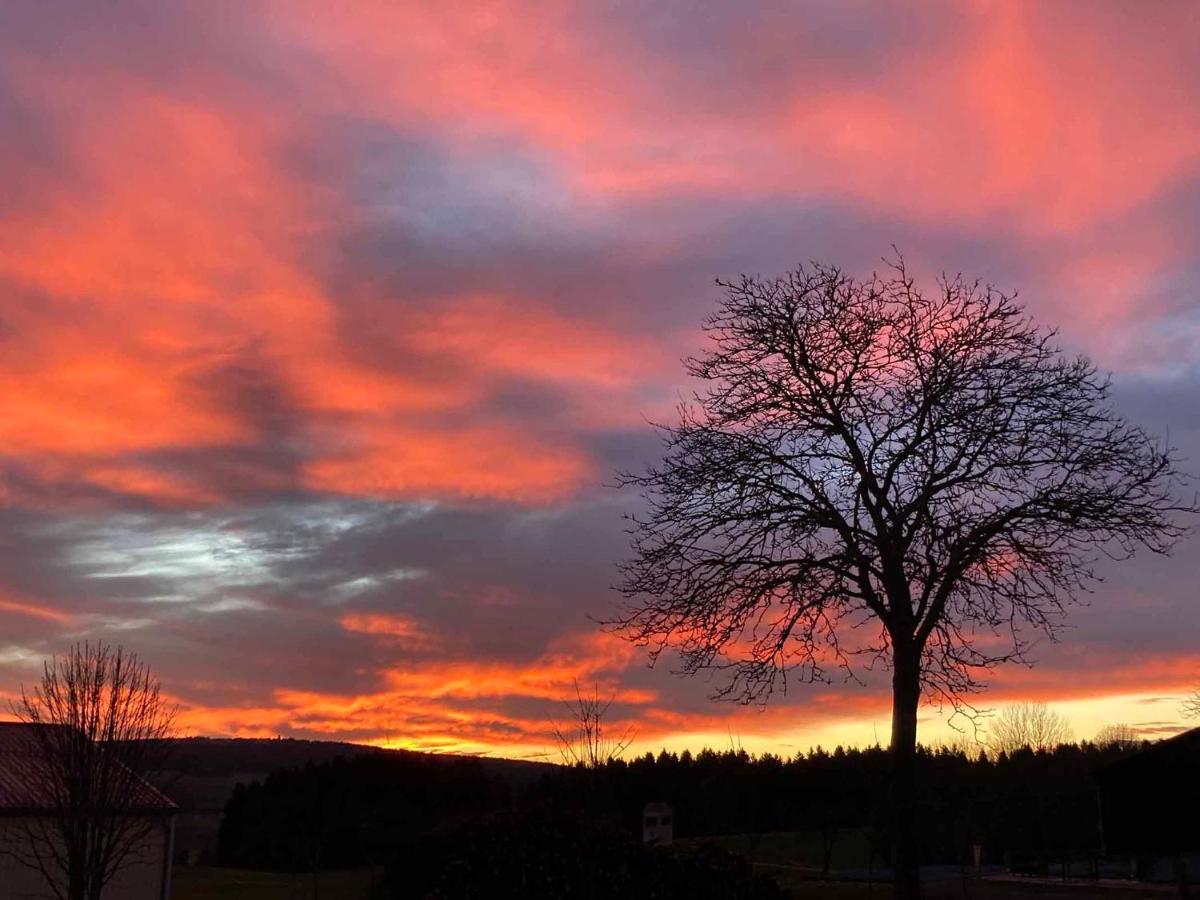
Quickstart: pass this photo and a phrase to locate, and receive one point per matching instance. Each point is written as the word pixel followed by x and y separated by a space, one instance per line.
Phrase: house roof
pixel 25 784
pixel 1161 759
pixel 1148 800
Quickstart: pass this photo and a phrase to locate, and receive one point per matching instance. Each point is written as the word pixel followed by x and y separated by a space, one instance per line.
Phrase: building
pixel 27 806
pixel 658 824
pixel 1148 804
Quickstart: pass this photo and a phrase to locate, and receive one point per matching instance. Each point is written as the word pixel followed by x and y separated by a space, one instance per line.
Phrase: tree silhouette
pixel 1032 725
pixel 98 733
pixel 586 741
pixel 869 470
pixel 1191 705
pixel 1118 737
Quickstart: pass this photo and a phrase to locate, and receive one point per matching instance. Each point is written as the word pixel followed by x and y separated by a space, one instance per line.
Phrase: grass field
pixel 851 848
pixel 204 883
pixel 237 884
pixel 793 860
pixel 972 890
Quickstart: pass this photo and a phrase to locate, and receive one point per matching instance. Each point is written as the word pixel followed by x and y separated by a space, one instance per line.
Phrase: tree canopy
pixel 923 478
pixel 930 467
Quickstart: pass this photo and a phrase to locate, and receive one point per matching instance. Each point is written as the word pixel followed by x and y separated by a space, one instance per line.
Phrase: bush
pixel 557 856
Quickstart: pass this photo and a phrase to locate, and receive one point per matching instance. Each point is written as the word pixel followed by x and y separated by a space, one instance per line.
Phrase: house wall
pixel 658 825
pixel 139 879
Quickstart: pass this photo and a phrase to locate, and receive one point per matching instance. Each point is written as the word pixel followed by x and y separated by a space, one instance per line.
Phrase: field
pixel 850 848
pixel 205 883
pixel 234 884
pixel 793 859
pixel 976 890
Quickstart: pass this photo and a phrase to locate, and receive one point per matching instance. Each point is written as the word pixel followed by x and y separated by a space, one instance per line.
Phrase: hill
pixel 203 772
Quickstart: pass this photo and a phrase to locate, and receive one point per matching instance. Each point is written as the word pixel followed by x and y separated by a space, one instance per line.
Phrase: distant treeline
pixel 1029 809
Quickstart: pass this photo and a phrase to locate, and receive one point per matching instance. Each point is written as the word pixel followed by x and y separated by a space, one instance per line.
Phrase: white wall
pixel 139 879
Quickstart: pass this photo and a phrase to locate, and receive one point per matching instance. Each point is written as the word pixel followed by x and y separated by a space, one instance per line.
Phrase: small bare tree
pixel 585 741
pixel 1117 737
pixel 923 478
pixel 1191 705
pixel 98 729
pixel 1032 725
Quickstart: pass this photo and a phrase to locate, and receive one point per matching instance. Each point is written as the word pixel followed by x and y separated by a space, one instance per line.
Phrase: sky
pixel 324 327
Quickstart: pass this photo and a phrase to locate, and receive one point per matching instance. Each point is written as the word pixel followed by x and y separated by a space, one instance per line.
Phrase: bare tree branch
pixel 1033 726
pixel 871 471
pixel 866 454
pixel 98 728
pixel 586 741
pixel 1119 737
pixel 1191 705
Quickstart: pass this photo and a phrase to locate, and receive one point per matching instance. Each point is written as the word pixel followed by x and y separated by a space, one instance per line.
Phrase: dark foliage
pixel 348 812
pixel 1032 809
pixel 223 756
pixel 1150 798
pixel 202 756
pixel 543 854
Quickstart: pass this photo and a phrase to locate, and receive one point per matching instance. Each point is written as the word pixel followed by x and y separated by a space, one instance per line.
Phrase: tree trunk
pixel 1181 876
pixel 906 694
pixel 77 880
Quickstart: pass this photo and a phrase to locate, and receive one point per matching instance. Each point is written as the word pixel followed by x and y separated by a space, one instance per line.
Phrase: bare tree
pixel 1117 737
pixel 1191 705
pixel 99 730
pixel 585 741
pixel 1029 725
pixel 923 479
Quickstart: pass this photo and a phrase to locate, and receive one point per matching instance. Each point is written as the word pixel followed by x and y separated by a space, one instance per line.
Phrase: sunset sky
pixel 324 326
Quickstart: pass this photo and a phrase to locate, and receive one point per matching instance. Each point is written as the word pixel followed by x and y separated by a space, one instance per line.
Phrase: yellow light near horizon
pixel 1154 716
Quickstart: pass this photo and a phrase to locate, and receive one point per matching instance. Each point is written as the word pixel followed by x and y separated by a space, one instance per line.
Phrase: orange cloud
pixel 583 658
pixel 1148 672
pixel 187 250
pixel 1027 120
pixel 1030 121
pixel 403 631
pixel 34 610
pixel 460 706
pixel 183 262
pixel 392 461
pixel 496 336
pixel 467 706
